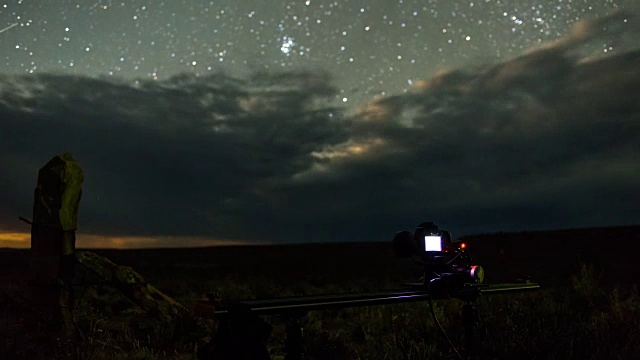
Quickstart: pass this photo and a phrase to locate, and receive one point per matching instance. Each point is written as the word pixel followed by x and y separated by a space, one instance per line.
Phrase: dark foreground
pixel 590 308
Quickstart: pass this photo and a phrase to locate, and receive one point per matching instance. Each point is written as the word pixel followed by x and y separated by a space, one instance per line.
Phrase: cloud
pixel 547 139
pixel 164 157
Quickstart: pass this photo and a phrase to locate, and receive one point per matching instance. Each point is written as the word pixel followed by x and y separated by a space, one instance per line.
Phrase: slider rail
pixel 301 304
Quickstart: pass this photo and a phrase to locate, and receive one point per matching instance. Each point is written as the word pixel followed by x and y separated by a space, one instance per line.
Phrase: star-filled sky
pixel 282 121
pixel 372 47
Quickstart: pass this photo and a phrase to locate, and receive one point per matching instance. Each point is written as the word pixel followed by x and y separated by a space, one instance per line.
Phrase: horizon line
pixel 22 240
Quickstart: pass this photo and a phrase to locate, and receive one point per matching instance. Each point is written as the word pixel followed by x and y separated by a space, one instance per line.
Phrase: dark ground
pixel 549 257
pixel 590 309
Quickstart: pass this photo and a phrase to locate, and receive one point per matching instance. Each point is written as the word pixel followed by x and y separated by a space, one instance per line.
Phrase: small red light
pixel 463 245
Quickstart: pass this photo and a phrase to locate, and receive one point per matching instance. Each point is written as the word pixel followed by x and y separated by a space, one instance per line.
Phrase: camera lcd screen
pixel 432 243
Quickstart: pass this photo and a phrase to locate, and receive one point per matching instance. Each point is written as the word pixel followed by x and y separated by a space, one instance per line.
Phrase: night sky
pixel 296 121
pixel 371 47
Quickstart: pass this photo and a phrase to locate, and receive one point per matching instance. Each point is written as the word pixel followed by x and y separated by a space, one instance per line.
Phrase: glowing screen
pixel 432 243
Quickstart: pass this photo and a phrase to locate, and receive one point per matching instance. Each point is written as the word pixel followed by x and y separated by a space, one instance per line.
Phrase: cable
pixel 454 258
pixel 433 314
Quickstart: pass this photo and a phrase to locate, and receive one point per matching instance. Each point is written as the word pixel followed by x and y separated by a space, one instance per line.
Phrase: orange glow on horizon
pixel 92 241
pixel 15 240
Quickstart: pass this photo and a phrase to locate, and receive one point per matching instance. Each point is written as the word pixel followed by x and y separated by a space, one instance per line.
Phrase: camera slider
pixel 242 334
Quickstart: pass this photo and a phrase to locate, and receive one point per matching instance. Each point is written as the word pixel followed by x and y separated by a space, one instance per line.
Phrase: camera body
pixel 446 265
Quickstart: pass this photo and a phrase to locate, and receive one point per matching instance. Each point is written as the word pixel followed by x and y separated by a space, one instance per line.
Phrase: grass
pixel 585 320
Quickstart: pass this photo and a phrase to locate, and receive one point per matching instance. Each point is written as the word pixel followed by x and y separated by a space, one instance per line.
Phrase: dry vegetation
pixel 581 318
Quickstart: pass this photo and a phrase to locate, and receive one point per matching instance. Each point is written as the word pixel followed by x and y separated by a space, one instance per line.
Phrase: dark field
pixel 589 308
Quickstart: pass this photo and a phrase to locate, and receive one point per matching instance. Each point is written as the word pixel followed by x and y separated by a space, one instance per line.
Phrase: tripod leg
pixel 241 335
pixel 470 321
pixel 294 346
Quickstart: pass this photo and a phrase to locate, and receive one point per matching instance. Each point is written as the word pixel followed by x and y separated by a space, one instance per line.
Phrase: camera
pixel 446 265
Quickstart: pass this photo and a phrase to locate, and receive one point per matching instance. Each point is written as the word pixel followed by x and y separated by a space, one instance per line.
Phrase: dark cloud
pixel 548 139
pixel 188 154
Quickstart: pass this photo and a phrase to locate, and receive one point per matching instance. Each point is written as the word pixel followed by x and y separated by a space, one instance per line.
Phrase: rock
pixel 95 269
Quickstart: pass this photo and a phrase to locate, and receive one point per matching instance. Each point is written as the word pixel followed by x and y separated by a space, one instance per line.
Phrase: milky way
pixel 374 47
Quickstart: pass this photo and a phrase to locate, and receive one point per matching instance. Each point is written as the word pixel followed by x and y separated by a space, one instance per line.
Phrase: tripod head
pixel 447 265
